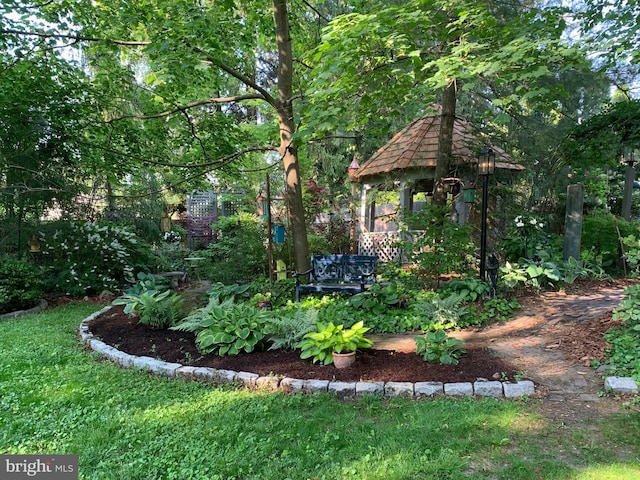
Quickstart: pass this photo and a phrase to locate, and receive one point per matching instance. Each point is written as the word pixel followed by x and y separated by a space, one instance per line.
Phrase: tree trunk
pixel 287 149
pixel 445 143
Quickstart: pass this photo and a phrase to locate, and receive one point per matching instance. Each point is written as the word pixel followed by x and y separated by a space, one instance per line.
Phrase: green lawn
pixel 125 425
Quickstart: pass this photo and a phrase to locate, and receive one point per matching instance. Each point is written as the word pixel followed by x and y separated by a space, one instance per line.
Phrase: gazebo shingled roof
pixel 415 149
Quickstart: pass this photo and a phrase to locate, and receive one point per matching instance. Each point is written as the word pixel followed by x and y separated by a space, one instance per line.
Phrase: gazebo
pixel 407 164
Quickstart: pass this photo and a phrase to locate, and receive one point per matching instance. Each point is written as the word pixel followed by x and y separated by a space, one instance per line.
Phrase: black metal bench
pixel 338 273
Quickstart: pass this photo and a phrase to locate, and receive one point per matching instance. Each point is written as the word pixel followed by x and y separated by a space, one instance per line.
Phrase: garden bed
pixel 125 333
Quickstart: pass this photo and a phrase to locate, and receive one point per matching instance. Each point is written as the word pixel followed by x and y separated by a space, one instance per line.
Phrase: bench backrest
pixel 343 268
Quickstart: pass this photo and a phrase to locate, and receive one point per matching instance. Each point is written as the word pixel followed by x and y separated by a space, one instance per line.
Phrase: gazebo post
pixel 406 197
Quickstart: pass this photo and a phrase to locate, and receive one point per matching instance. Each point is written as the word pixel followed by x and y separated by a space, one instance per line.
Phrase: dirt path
pixel 552 341
pixel 539 341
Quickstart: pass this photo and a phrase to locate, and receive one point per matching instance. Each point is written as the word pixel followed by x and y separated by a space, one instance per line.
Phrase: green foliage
pixel 437 347
pixel 496 309
pixel 288 331
pixel 599 140
pixel 157 309
pixel 443 313
pixel 20 284
pixel 573 270
pixel 379 298
pixel 632 254
pixel 169 257
pixel 226 327
pixel 470 288
pixel 525 238
pixel 600 242
pixel 239 255
pixel 220 292
pixel 528 273
pixel 146 282
pixel 329 338
pixel 439 246
pixel 624 355
pixel 82 258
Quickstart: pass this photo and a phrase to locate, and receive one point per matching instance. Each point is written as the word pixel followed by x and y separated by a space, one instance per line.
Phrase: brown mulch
pixel 580 343
pixel 125 333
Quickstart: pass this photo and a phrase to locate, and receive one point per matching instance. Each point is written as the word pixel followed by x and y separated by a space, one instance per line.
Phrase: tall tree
pixel 203 71
pixel 374 66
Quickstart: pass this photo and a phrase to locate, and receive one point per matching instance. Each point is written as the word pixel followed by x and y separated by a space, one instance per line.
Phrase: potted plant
pixel 334 344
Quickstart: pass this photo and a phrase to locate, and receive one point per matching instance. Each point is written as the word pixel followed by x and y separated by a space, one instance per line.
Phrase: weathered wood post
pixel 573 222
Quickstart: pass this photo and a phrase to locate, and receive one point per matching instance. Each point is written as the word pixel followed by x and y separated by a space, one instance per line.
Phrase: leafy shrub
pixel 529 274
pixel 239 254
pixel 84 258
pixel 379 298
pixel 20 284
pixel 329 338
pixel 599 240
pixel 632 254
pixel 525 238
pixel 470 289
pixel 439 246
pixel 146 282
pixel 154 308
pixel 624 356
pixel 437 347
pixel 226 328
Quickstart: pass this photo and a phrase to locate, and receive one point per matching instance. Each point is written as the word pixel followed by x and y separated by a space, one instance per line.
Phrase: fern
pixel 444 312
pixel 288 331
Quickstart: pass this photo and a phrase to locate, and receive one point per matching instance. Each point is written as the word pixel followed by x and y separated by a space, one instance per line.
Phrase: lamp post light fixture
pixel 628 155
pixel 486 167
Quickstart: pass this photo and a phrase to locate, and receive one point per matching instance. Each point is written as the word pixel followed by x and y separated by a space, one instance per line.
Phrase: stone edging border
pixel 482 388
pixel 21 313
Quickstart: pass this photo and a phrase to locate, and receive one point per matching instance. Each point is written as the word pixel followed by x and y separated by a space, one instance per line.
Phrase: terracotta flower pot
pixel 344 360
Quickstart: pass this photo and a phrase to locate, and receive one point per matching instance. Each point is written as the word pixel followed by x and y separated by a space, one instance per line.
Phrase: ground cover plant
pixel 56 397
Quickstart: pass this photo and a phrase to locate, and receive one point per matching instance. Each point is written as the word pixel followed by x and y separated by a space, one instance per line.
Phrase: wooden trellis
pixel 202 212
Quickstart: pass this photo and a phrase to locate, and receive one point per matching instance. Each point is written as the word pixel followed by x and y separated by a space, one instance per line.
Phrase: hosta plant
pixel 437 347
pixel 228 328
pixel 321 344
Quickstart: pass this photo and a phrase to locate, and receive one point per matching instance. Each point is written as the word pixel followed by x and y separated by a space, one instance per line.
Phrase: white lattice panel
pixel 384 245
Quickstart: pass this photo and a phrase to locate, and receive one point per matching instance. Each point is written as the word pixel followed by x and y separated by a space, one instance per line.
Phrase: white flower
pixel 533 221
pixel 541 225
pixel 519 224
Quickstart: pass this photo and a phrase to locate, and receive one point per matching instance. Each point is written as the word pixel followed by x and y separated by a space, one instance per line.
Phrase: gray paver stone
pixel 398 389
pixel 488 389
pixel 142 362
pixel 342 389
pixel 316 386
pixel 206 374
pixel 98 345
pixel 224 376
pixel 369 388
pixel 293 385
pixel 458 389
pixel 268 383
pixel 186 371
pixel 163 368
pixel 248 379
pixel 518 389
pixel 621 384
pixel 428 389
pixel 123 359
